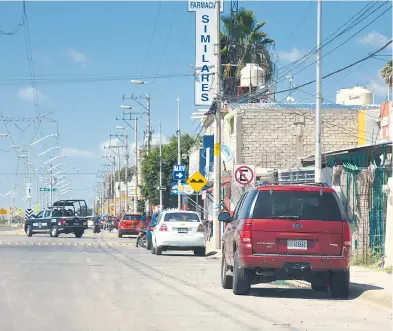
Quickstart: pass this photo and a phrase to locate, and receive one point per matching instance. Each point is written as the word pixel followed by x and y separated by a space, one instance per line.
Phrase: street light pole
pixel 178 152
pixel 217 138
pixel 318 105
pixel 160 168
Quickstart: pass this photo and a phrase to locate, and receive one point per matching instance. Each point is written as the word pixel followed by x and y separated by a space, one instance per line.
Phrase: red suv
pixel 282 232
pixel 129 224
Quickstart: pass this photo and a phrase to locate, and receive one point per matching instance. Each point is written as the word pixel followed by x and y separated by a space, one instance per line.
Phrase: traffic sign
pixel 3 211
pixel 244 175
pixel 197 181
pixel 179 172
pixel 20 212
pixel 45 189
pixel 226 153
pixel 187 189
pixel 161 188
pixel 29 213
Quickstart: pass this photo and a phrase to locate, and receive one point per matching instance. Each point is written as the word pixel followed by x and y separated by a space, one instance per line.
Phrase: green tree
pixel 243 41
pixel 386 73
pixel 150 168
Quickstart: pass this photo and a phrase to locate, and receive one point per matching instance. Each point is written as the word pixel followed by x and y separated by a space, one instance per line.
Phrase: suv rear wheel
pixel 241 278
pixel 340 284
pixel 54 232
pixel 200 251
pixel 226 281
pixel 318 287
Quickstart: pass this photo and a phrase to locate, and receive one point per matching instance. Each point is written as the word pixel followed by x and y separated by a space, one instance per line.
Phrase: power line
pixel 151 39
pixel 345 41
pixel 328 75
pixel 329 39
pixel 165 45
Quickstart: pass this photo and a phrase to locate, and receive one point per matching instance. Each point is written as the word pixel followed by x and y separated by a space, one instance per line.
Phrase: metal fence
pixel 365 204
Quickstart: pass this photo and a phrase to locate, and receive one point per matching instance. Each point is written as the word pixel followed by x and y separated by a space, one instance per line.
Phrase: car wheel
pixel 79 234
pixel 200 251
pixel 119 234
pixel 158 250
pixel 340 284
pixel 29 231
pixel 226 280
pixel 153 249
pixel 54 231
pixel 241 278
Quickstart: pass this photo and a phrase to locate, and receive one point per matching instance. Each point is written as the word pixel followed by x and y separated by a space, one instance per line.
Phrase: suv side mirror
pixel 224 217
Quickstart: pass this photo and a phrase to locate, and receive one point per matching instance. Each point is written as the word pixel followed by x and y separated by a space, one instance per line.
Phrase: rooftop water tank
pixel 252 73
pixel 355 96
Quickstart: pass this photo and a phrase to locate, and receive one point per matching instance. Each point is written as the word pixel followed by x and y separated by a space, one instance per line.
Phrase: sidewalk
pixel 371 285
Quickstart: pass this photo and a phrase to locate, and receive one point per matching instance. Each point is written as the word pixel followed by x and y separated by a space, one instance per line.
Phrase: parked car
pixel 129 224
pixel 150 228
pixel 179 230
pixel 282 232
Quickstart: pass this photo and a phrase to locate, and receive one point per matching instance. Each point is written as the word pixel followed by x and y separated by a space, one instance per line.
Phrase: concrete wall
pixel 273 138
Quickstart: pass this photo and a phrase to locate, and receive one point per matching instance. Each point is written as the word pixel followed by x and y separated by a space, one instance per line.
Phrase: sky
pixel 84 55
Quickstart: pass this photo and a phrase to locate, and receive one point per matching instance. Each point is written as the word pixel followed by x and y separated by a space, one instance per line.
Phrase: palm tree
pixel 386 73
pixel 243 42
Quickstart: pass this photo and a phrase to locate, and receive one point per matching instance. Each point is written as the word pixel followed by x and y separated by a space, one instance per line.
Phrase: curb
pixel 380 297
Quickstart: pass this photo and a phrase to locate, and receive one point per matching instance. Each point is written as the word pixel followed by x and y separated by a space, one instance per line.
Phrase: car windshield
pixel 181 217
pixel 132 217
pixel 297 205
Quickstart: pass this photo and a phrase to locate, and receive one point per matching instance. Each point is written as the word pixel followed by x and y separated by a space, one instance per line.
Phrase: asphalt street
pixel 101 282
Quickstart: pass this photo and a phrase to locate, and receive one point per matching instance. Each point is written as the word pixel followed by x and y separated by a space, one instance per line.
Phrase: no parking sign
pixel 244 175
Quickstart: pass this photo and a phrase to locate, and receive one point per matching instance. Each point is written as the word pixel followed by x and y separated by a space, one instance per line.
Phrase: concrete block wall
pixel 269 136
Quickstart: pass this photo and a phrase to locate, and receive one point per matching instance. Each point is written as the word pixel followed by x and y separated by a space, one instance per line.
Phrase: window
pixel 239 204
pixel 132 217
pixel 232 125
pixel 47 213
pixel 39 215
pixel 181 217
pixel 300 205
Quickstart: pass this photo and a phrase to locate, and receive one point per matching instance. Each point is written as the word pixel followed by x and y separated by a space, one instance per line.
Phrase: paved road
pixel 99 287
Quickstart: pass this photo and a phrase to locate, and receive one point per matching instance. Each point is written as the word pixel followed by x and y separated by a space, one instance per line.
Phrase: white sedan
pixel 179 230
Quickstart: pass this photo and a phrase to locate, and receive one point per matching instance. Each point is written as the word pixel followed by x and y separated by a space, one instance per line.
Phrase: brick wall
pixel 269 136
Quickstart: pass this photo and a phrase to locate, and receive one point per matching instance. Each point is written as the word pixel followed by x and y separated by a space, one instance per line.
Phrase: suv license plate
pixel 182 230
pixel 297 244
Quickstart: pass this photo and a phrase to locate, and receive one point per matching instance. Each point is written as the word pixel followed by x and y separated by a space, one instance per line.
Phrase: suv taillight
pixel 63 221
pixel 347 240
pixel 246 232
pixel 163 228
pixel 201 228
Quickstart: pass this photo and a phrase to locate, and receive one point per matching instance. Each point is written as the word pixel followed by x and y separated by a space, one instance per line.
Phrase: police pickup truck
pixel 65 216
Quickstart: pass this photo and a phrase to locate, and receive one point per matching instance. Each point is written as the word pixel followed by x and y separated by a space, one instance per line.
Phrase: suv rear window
pixel 181 217
pixel 132 217
pixel 300 205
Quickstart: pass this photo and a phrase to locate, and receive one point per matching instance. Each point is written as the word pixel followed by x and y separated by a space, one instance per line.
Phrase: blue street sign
pixel 174 189
pixel 179 172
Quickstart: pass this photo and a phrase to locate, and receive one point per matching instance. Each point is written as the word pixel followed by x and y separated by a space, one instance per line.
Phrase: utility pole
pixel 51 186
pixel 126 174
pixel 136 166
pixel 148 126
pixel 217 137
pixel 178 152
pixel 318 106
pixel 160 168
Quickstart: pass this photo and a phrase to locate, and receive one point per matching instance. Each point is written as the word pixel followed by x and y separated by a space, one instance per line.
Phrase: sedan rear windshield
pixel 300 205
pixel 181 217
pixel 132 217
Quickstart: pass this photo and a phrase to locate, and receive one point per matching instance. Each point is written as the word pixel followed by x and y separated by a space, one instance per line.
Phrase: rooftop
pixel 311 106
